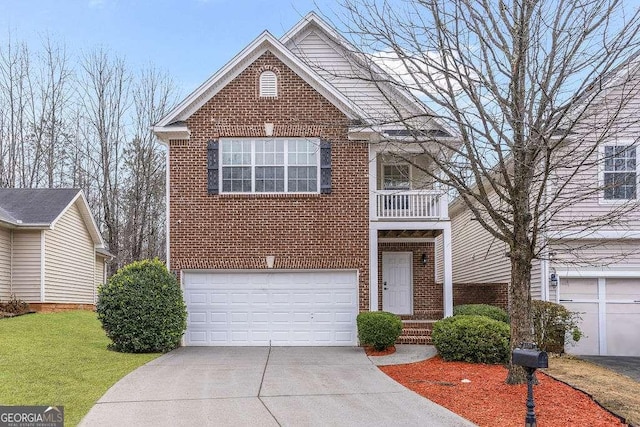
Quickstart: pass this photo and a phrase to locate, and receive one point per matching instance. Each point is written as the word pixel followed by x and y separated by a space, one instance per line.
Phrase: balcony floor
pixel 408 233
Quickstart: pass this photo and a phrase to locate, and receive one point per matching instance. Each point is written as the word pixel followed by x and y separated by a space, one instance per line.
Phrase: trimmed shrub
pixel 141 308
pixel 379 329
pixel 471 338
pixel 14 306
pixel 487 310
pixel 552 323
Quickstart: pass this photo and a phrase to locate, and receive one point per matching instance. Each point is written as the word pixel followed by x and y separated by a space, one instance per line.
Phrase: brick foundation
pixel 481 293
pixel 54 307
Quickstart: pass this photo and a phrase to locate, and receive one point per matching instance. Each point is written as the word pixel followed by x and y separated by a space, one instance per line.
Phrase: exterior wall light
pixel 424 259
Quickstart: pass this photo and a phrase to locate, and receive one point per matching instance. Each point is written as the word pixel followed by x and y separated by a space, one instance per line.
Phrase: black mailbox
pixel 530 358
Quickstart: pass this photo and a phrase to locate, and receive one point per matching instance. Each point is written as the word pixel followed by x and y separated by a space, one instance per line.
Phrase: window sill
pixel 270 195
pixel 614 202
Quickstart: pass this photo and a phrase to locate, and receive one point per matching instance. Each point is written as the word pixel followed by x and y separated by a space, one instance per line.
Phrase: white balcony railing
pixel 411 204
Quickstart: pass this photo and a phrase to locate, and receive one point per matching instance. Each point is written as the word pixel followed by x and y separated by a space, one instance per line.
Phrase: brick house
pixel 287 211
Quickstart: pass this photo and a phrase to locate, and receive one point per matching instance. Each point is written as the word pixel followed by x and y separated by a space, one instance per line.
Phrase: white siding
pixel 5 264
pixel 99 271
pixel 612 120
pixel 478 257
pixel 325 58
pixel 594 253
pixel 26 265
pixel 69 263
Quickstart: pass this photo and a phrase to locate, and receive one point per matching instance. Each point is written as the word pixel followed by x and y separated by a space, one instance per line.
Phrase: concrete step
pixel 416 332
pixel 418 324
pixel 421 340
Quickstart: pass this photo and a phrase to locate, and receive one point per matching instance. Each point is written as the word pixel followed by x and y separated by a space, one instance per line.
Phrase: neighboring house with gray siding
pixel 591 270
pixel 51 251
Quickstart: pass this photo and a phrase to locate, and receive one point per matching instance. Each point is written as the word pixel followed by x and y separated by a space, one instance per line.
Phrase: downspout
pixel 42 266
pixel 167 204
pixel 10 262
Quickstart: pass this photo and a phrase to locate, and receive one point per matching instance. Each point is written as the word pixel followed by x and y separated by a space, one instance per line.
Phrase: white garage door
pixel 271 308
pixel 610 311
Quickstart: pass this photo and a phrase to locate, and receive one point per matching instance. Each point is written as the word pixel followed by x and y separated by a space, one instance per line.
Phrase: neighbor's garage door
pixel 610 309
pixel 271 308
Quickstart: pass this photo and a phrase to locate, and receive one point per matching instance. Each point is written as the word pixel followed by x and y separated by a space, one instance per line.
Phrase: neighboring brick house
pixel 593 271
pixel 287 215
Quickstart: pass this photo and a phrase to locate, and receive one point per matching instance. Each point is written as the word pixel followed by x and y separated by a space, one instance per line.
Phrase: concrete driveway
pixel 258 386
pixel 625 365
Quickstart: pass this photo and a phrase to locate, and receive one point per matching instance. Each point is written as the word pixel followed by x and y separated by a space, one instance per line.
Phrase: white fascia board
pixel 264 42
pixel 595 235
pixel 87 216
pixel 577 273
pixel 409 225
pixel 165 133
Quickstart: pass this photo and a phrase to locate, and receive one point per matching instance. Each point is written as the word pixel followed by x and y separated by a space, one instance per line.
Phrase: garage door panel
pixel 623 329
pixel 288 308
pixel 589 343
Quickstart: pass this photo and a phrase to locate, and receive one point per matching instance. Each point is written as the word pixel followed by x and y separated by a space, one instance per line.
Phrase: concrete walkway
pixel 258 386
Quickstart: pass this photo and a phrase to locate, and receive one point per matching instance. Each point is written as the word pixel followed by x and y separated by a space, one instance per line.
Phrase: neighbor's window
pixel 620 173
pixel 268 84
pixel 273 165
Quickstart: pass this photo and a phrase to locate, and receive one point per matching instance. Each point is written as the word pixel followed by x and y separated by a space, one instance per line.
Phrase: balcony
pixel 411 205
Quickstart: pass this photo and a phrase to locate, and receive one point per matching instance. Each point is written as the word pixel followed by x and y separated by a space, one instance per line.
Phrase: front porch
pixel 410 263
pixel 407 281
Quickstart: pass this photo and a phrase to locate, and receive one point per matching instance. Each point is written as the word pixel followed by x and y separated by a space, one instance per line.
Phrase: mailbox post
pixel 530 358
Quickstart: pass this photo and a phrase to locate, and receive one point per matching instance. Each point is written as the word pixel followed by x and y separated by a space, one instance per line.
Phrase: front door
pixel 396 282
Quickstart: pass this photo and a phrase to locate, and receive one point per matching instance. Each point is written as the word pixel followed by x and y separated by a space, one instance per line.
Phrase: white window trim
pixel 315 141
pixel 397 163
pixel 601 171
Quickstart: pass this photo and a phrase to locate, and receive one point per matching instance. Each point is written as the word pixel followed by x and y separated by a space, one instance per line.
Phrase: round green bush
pixel 470 338
pixel 141 308
pixel 487 310
pixel 378 329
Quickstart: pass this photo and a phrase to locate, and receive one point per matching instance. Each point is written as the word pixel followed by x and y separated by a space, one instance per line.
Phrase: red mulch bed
pixel 488 401
pixel 371 352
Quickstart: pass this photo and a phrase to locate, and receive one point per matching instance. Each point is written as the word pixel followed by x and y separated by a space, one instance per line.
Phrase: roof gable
pixel 265 42
pixel 43 207
pixel 353 73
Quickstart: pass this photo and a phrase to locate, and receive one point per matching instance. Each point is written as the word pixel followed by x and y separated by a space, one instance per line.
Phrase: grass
pixel 59 359
pixel 618 393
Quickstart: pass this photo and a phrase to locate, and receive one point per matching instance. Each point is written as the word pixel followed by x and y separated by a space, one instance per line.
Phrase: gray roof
pixel 39 206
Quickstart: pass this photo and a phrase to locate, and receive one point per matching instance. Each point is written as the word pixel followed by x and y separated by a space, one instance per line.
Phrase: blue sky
pixel 190 39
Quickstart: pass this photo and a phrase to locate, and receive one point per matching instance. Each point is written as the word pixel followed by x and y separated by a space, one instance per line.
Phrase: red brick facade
pixel 481 293
pixel 328 231
pixel 427 294
pixel 54 307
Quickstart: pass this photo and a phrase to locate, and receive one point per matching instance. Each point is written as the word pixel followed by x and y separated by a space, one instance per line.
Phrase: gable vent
pixel 268 84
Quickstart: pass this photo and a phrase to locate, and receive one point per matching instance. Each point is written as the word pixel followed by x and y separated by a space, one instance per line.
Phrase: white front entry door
pixel 396 282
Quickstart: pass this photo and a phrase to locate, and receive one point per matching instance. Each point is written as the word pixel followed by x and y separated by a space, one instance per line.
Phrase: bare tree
pixel 525 88
pixel 104 94
pixel 153 95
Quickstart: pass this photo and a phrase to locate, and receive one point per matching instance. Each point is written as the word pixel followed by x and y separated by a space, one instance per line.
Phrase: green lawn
pixel 59 359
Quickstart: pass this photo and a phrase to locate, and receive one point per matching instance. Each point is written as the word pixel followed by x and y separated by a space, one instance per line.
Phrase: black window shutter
pixel 325 167
pixel 212 166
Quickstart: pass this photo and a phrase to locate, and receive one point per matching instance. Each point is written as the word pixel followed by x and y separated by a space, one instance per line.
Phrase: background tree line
pixel 83 121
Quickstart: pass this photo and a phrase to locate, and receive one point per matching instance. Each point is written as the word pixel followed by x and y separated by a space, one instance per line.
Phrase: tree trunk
pixel 520 310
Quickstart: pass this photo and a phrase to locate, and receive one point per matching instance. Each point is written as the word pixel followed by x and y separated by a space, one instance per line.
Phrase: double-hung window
pixel 270 165
pixel 620 172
